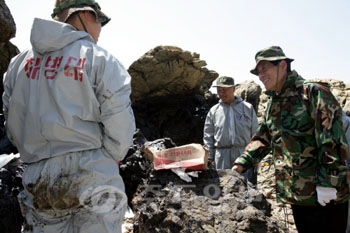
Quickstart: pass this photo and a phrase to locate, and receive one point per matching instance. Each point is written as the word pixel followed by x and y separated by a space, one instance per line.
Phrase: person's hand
pixel 325 195
pixel 210 163
pixel 238 168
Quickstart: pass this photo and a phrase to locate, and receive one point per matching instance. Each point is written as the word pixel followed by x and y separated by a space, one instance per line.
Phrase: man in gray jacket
pixel 67 107
pixel 228 127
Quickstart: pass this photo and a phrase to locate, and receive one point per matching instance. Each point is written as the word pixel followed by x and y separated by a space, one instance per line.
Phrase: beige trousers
pixel 73 193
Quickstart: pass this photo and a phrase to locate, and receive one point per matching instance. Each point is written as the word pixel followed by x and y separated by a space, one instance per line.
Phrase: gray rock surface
pixel 216 201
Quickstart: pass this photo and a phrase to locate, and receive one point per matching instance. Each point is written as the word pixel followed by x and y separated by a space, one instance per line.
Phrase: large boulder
pixel 250 92
pixel 7 49
pixel 8 26
pixel 168 94
pixel 169 71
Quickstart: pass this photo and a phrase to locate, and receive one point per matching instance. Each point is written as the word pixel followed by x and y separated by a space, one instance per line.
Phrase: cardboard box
pixel 191 156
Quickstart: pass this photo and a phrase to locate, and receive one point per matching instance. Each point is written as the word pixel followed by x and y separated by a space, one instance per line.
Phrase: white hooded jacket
pixel 66 95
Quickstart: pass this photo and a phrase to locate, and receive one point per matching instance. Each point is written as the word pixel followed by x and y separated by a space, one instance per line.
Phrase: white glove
pixel 325 195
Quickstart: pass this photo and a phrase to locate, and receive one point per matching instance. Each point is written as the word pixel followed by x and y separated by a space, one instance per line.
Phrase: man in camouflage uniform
pixel 346 127
pixel 302 127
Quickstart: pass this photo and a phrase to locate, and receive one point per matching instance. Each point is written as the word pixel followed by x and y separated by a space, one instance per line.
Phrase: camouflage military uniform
pixel 302 127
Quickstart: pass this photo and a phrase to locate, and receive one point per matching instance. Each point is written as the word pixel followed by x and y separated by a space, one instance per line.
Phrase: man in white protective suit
pixel 229 126
pixel 68 111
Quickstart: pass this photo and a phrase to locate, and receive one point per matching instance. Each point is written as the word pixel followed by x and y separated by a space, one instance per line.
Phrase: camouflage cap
pixel 272 53
pixel 224 81
pixel 64 9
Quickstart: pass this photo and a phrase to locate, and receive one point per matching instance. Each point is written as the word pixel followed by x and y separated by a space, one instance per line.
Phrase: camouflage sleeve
pixel 257 149
pixel 330 137
pixel 346 127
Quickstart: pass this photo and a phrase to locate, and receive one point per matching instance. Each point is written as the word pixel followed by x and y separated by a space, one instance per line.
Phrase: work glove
pixel 325 195
pixel 211 163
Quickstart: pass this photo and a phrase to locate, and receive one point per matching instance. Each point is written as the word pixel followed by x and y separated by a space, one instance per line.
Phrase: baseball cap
pixel 224 81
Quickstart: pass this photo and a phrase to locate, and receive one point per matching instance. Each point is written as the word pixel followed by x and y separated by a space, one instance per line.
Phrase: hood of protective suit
pixel 48 35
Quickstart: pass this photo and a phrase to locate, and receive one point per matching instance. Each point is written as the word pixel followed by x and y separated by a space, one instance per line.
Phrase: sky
pixel 226 33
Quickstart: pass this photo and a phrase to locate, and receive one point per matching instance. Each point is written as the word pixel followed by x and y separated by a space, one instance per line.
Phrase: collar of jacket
pixel 292 79
pixel 237 100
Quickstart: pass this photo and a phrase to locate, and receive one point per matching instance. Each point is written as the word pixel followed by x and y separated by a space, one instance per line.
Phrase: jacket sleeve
pixel 6 94
pixel 330 137
pixel 208 135
pixel 8 83
pixel 117 118
pixel 346 127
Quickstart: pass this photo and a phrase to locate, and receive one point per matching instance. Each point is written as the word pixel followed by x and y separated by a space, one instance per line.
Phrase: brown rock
pixel 168 71
pixel 8 26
